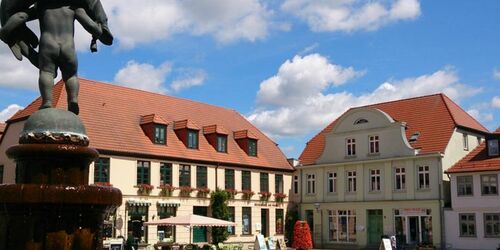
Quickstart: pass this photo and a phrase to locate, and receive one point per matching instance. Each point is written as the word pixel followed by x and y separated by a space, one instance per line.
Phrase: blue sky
pixel 291 66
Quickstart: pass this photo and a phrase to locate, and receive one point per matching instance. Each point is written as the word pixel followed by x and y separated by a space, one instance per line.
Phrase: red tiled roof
pixel 112 116
pixel 214 128
pixel 434 116
pixel 476 161
pixel 153 118
pixel 185 124
pixel 2 129
pixel 244 134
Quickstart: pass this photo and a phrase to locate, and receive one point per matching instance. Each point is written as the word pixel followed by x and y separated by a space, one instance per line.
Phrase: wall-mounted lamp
pixel 317 205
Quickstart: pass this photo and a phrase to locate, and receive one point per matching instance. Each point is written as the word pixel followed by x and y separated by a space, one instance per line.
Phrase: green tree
pixel 220 210
pixel 292 216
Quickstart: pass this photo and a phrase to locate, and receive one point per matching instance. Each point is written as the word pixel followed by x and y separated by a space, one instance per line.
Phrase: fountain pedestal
pixel 51 206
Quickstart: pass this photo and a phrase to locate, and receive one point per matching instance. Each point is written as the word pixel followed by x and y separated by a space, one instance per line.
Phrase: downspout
pixel 441 204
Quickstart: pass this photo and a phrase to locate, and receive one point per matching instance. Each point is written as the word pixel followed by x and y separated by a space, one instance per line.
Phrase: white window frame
pixel 373 144
pixel 400 178
pixel 495 224
pixel 462 184
pixel 334 216
pixel 375 180
pixel 493 149
pixel 490 182
pixel 470 220
pixel 350 147
pixel 331 182
pixel 311 183
pixel 351 181
pixel 295 184
pixel 465 141
pixel 423 171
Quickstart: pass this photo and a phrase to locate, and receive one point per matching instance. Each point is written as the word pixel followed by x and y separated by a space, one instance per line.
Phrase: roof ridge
pixel 399 100
pixel 445 99
pixel 153 93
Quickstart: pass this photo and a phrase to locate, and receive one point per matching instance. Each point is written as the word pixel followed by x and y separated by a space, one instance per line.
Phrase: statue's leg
pixel 47 65
pixel 69 68
pixel 46 83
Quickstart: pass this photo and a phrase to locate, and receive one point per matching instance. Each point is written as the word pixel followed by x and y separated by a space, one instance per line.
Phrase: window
pixel 467 225
pixel 165 173
pixel 229 178
pixel 252 147
pixel 414 136
pixel 493 148
pixel 279 221
pixel 231 230
pixel 479 140
pixel 351 181
pixel 101 170
pixel 464 185
pixel 311 183
pixel 375 180
pixel 1 174
pixel 264 182
pixel 278 183
pixel 160 134
pixel 465 141
pixel 246 223
pixel 295 184
pixel 423 177
pixel 342 225
pixel 167 212
pixel 201 177
pixel 360 121
pixel 332 182
pixel 143 172
pixel 489 184
pixel 374 144
pixel 222 143
pixel 492 225
pixel 350 146
pixel 192 139
pixel 400 178
pixel 184 175
pixel 246 180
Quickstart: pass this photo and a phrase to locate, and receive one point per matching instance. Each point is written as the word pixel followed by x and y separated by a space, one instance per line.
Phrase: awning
pixel 168 204
pixel 192 221
pixel 138 203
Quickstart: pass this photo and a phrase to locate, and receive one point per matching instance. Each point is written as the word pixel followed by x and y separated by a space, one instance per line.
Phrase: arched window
pixel 360 121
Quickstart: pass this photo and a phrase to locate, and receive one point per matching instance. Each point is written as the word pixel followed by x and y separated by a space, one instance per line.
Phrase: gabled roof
pixel 2 129
pixel 153 118
pixel 214 129
pixel 185 124
pixel 112 116
pixel 434 116
pixel 476 161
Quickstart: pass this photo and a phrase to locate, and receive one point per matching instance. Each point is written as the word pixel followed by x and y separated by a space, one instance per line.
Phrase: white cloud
pixel 289 104
pixel 496 74
pixel 480 116
pixel 144 76
pixel 9 112
pixel 190 78
pixel 349 15
pixel 134 22
pixel 495 102
pixel 16 74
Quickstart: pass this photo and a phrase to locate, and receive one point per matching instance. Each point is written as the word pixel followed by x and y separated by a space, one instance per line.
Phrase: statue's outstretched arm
pixel 13 23
pixel 88 24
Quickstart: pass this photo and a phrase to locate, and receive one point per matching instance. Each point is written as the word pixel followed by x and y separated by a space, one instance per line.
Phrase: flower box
pixel 264 196
pixel 186 190
pixel 166 189
pixel 247 194
pixel 232 192
pixel 103 184
pixel 203 191
pixel 144 189
pixel 279 197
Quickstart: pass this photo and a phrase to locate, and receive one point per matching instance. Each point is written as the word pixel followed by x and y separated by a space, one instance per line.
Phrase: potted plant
pixel 103 184
pixel 186 190
pixel 302 239
pixel 203 191
pixel 247 194
pixel 144 189
pixel 166 189
pixel 232 192
pixel 279 197
pixel 264 196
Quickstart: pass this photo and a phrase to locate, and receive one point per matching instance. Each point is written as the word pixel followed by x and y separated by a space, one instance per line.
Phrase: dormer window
pixel 160 134
pixel 222 143
pixel 247 141
pixel 155 128
pixel 187 132
pixel 493 149
pixel 360 121
pixel 192 139
pixel 414 136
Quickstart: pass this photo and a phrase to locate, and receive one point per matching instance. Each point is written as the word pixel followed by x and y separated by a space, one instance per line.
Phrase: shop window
pixel 342 225
pixel 373 144
pixel 279 221
pixel 413 226
pixel 464 185
pixel 351 181
pixel 166 232
pixel 101 170
pixel 489 184
pixel 492 225
pixel 375 180
pixel 423 177
pixel 246 180
pixel 264 182
pixel 400 179
pixel 246 220
pixel 229 179
pixel 311 183
pixel 467 225
pixel 231 230
pixel 332 182
pixel 184 176
pixel 143 172
pixel 201 177
pixel 165 173
pixel 278 183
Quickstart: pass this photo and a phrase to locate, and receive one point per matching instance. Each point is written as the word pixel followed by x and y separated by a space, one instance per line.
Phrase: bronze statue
pixel 57 45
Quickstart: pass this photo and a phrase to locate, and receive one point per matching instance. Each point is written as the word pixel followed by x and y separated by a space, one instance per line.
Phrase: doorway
pixel 375 226
pixel 414 229
pixel 264 215
pixel 200 233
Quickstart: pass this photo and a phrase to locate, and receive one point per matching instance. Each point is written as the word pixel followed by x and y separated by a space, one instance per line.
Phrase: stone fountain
pixel 51 206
